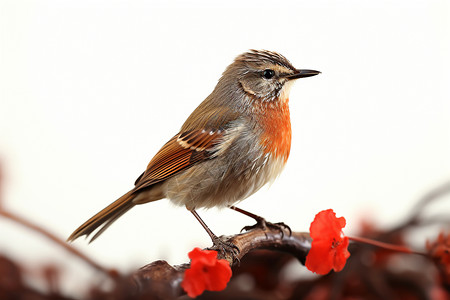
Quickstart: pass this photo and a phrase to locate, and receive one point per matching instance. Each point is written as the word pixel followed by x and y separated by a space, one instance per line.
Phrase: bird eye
pixel 268 73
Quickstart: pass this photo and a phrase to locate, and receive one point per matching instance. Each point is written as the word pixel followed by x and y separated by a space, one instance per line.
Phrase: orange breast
pixel 276 122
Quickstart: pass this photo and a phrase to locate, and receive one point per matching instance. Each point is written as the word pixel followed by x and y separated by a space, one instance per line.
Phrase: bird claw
pixel 224 247
pixel 264 225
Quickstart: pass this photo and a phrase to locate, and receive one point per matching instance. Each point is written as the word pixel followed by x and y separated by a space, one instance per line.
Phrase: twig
pixel 396 248
pixel 424 201
pixel 19 220
pixel 36 228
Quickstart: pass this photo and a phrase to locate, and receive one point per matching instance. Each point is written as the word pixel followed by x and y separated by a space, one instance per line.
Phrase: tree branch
pixel 165 279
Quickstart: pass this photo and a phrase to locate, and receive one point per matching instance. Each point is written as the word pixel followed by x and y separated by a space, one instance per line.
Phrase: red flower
pixel 329 244
pixel 206 273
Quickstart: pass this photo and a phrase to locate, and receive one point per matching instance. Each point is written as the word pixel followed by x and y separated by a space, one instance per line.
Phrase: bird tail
pixel 105 217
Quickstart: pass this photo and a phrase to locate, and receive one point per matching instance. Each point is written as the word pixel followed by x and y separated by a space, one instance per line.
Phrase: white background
pixel 90 90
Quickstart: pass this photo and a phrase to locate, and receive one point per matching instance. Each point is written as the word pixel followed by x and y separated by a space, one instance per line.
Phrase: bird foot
pixel 264 225
pixel 225 247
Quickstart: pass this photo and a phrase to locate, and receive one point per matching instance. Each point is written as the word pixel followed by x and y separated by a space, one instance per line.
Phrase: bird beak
pixel 302 74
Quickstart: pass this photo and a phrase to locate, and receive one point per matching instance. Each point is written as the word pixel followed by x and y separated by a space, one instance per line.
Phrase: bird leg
pixel 218 243
pixel 262 223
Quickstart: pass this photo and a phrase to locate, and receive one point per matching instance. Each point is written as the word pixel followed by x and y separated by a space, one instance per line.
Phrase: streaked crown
pixel 260 74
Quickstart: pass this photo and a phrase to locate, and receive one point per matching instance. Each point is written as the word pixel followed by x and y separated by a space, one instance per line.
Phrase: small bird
pixel 235 141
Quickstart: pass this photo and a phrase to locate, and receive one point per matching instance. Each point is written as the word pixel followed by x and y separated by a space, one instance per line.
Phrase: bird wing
pixel 179 153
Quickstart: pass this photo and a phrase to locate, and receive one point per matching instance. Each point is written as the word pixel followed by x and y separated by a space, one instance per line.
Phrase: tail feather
pixel 105 217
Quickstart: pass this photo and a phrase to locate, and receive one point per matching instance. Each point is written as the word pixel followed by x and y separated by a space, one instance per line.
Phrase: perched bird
pixel 235 141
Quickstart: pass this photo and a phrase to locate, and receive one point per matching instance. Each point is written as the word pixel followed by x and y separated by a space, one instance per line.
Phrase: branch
pixel 165 279
pixel 427 199
pixel 36 228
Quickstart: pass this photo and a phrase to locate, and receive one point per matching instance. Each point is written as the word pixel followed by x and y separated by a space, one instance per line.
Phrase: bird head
pixel 262 75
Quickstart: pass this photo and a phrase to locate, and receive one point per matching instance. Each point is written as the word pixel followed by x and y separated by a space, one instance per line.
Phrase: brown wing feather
pixel 179 153
pixel 196 142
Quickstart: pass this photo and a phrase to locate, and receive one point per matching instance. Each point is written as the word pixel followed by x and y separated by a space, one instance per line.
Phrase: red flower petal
pixel 192 286
pixel 206 273
pixel 340 255
pixel 204 257
pixel 326 224
pixel 329 245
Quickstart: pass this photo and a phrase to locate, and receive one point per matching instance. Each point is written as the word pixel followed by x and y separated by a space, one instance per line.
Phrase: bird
pixel 237 140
